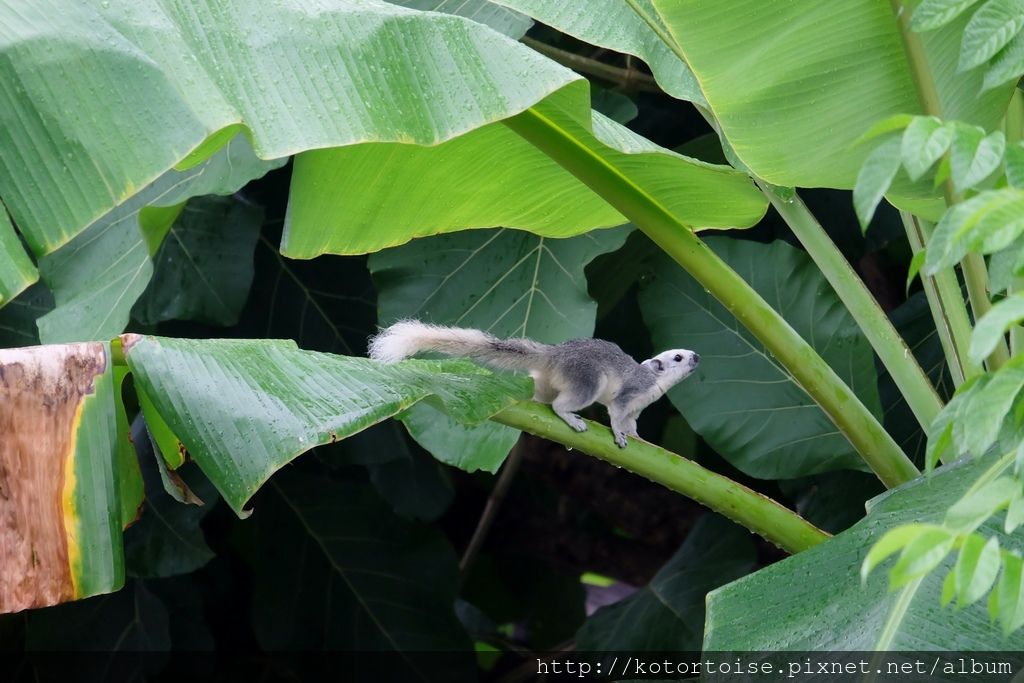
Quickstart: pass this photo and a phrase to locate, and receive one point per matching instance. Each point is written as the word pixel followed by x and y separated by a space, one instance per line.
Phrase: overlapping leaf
pixel 167 80
pixel 973 157
pixel 492 177
pixel 981 412
pixel 97 278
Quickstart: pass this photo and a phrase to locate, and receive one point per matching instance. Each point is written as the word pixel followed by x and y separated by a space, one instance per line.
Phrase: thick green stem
pixel 756 512
pixel 976 279
pixel 973 265
pixel 904 369
pixel 1014 129
pixel 947 306
pixel 849 415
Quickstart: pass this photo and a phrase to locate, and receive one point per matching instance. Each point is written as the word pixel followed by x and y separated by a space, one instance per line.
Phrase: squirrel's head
pixel 672 366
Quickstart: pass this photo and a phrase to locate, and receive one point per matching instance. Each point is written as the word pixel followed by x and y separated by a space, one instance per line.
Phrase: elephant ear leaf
pixel 367 579
pixel 741 400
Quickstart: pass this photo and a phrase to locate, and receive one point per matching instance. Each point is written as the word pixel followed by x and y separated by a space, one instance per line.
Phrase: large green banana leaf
pixel 243 409
pixel 817 601
pixel 164 76
pixel 795 84
pixel 168 81
pixel 361 198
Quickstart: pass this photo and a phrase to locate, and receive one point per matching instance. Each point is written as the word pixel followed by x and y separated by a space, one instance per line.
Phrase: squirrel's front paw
pixel 620 439
pixel 577 423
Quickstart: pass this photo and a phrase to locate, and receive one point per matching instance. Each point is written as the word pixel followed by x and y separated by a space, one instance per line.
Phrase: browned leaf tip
pixel 41 389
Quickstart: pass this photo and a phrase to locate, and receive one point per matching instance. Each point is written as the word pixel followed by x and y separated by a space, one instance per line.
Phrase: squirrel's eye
pixel 678 358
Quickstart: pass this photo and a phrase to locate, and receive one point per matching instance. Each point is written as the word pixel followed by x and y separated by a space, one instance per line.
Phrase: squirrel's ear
pixel 654 364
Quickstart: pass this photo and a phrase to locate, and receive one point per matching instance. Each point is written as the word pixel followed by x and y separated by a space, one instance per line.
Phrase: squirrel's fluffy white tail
pixel 409 337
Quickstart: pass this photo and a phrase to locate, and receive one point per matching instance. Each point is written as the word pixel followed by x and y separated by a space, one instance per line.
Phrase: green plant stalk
pixel 976 278
pixel 947 306
pixel 886 341
pixel 973 265
pixel 883 337
pixel 849 415
pixel 756 512
pixel 1014 129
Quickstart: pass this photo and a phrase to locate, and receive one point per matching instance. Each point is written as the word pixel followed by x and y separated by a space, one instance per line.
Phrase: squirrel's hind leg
pixel 543 392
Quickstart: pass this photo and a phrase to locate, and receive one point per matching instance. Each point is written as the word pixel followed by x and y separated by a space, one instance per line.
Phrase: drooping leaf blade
pixel 491 177
pixel 243 409
pixel 174 76
pixel 874 179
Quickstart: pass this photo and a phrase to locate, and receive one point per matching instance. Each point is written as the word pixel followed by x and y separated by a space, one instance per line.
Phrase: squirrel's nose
pixel 696 359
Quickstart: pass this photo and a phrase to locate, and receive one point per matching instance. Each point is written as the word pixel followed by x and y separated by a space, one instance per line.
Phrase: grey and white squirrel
pixel 570 376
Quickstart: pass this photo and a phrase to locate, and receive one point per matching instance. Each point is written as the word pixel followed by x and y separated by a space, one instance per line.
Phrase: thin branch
pixel 497 497
pixel 949 311
pixel 629 79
